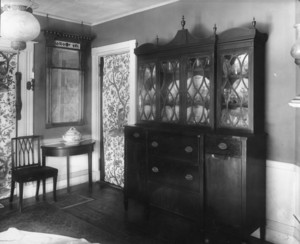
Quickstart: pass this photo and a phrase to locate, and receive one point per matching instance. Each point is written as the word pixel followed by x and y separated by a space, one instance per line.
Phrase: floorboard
pixel 102 219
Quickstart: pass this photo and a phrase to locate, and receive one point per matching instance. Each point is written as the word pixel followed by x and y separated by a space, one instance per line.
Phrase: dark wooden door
pixel 135 163
pixel 224 190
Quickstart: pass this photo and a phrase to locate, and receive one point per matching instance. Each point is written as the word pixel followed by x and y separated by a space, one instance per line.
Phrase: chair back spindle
pixel 25 152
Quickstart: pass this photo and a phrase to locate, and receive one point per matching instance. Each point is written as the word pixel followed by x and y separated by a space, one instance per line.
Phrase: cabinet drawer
pixel 223 146
pixel 135 133
pixel 179 174
pixel 173 146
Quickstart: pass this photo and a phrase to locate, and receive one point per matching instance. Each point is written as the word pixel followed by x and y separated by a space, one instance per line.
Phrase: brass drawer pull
pixel 136 135
pixel 189 177
pixel 154 144
pixel 222 146
pixel 220 157
pixel 188 149
pixel 155 169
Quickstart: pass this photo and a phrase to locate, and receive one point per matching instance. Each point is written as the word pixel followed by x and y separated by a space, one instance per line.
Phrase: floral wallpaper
pixel 7 117
pixel 115 95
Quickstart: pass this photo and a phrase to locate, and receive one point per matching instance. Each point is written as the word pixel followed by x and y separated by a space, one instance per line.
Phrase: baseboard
pixel 297 212
pixel 297 235
pixel 278 233
pixel 282 202
pixel 76 178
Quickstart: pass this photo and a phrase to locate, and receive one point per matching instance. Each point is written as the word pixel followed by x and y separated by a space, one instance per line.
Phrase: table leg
pixel 44 189
pixel 68 174
pixel 90 170
pixel 44 181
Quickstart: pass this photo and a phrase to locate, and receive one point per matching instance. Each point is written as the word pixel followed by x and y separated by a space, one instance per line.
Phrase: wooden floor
pixel 103 219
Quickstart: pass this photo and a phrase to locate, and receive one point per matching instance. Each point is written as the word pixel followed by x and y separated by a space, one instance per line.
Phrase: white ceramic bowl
pixel 72 136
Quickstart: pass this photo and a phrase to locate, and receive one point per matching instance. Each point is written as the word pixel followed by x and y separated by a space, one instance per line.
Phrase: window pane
pixel 65 96
pixel 235 90
pixel 62 58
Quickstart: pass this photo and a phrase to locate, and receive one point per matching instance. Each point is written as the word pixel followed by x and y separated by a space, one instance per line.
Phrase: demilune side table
pixel 62 150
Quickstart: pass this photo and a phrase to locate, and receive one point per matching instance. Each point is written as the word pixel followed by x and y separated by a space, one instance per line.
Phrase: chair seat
pixel 33 173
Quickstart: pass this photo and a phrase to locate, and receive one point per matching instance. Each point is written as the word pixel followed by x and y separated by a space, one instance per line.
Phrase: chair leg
pixel 54 187
pixel 21 196
pixel 37 190
pixel 44 189
pixel 12 189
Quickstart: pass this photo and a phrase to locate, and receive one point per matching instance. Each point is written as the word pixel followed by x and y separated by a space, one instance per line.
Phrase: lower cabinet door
pixel 180 202
pixel 223 191
pixel 135 151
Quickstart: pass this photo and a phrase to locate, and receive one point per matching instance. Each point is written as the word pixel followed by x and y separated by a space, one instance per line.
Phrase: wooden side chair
pixel 26 166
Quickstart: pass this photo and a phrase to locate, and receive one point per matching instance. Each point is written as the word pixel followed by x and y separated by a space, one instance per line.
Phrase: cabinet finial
pixel 215 29
pixel 182 22
pixel 254 22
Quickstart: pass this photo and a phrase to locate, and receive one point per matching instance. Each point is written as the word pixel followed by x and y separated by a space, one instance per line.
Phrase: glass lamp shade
pixel 295 50
pixel 18 25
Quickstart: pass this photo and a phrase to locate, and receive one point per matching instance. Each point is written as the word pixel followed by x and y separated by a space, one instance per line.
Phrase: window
pixel 65 81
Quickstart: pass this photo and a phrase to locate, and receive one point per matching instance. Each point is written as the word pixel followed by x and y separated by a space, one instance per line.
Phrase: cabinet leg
pixel 12 189
pixel 37 189
pixel 262 233
pixel 206 240
pixel 126 204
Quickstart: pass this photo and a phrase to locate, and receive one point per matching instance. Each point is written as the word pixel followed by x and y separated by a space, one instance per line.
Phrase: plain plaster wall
pixel 274 17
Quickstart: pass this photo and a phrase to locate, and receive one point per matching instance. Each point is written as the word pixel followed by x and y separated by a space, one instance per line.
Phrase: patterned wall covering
pixel 115 95
pixel 7 117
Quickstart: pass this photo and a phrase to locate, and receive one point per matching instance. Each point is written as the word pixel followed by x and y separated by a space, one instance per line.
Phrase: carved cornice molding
pixel 54 34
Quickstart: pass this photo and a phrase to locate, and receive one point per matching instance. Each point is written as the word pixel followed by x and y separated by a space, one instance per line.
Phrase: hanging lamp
pixel 18 24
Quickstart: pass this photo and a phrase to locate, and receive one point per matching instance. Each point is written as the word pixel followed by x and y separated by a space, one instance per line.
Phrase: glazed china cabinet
pixel 197 149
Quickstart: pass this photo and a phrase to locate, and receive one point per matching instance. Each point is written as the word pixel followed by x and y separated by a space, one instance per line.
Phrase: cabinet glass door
pixel 235 90
pixel 198 90
pixel 147 92
pixel 169 90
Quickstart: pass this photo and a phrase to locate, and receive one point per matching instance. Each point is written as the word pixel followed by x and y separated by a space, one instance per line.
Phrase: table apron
pixel 60 152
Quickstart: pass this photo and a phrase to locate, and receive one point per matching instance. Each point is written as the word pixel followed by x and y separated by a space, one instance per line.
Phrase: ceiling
pixel 92 12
